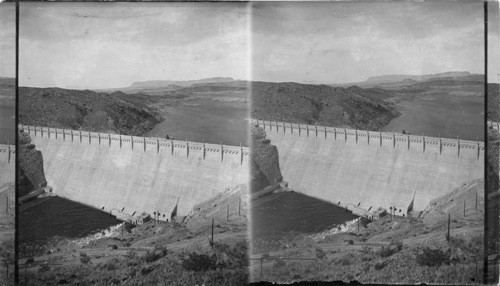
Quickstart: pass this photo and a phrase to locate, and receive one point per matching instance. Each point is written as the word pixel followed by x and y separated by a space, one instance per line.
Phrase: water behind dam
pixel 284 212
pixel 446 116
pixel 7 122
pixel 208 120
pixel 56 216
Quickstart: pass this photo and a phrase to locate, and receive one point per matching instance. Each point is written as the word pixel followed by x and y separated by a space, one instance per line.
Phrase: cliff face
pixel 265 161
pixel 30 171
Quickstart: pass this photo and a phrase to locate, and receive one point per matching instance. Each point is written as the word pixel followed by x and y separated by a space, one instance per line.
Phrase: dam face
pixel 131 175
pixel 7 165
pixel 369 169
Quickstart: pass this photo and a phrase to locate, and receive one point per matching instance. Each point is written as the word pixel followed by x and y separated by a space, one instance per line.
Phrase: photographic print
pixel 368 128
pixel 7 141
pixel 133 153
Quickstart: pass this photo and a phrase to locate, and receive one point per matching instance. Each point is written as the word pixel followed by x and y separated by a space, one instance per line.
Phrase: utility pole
pixel 261 269
pixel 227 216
pixel 448 234
pixel 464 208
pixel 212 244
pixel 239 207
pixel 476 201
pixel 7 205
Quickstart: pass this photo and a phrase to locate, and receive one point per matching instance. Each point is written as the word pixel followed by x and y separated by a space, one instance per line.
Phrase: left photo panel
pixel 133 143
pixel 7 141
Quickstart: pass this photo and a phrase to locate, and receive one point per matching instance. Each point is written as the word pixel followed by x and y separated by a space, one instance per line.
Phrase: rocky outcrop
pixel 30 171
pixel 265 161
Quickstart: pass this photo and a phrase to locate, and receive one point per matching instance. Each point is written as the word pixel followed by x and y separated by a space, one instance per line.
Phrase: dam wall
pixel 131 175
pixel 7 165
pixel 370 169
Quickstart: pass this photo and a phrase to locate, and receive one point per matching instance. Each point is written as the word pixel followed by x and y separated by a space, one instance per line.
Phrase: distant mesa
pixel 178 84
pixel 414 78
pixel 396 80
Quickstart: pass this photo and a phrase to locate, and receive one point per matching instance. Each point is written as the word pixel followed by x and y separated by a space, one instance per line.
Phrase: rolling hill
pixel 84 110
pixel 320 104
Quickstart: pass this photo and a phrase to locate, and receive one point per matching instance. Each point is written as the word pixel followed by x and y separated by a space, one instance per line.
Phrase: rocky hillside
pixel 320 105
pixel 493 101
pixel 84 110
pixel 265 168
pixel 30 161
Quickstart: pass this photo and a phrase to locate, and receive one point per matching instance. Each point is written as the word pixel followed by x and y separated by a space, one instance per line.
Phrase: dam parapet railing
pixel 8 151
pixel 144 143
pixel 369 137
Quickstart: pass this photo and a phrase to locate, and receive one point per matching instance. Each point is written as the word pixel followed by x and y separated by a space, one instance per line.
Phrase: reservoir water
pixel 443 115
pixel 210 119
pixel 284 212
pixel 60 217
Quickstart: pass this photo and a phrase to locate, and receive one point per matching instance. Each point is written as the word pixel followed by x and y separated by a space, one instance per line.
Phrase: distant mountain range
pixel 160 87
pixel 397 81
pixel 178 83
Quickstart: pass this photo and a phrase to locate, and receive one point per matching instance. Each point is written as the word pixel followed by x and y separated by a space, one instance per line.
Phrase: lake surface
pixel 293 211
pixel 445 115
pixel 7 122
pixel 60 217
pixel 208 119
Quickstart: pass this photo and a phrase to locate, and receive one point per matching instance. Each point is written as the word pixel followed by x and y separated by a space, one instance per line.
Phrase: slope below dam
pixel 128 175
pixel 364 170
pixel 7 166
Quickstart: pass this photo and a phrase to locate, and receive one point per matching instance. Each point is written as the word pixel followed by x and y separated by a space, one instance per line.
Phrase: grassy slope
pixel 7 229
pixel 155 253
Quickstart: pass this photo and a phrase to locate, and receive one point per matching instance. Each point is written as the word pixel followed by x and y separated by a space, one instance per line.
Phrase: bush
pixel 156 254
pixel 279 263
pixel 30 260
pixel 389 250
pixel 320 253
pixel 379 265
pixel 44 268
pixel 345 261
pixel 200 262
pixel 84 258
pixel 432 257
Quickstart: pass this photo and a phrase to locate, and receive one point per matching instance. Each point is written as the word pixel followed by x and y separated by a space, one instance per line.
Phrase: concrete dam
pixel 365 170
pixel 7 166
pixel 128 175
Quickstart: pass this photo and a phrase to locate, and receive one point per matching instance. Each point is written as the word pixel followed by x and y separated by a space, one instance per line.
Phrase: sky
pixel 493 42
pixel 345 42
pixel 7 40
pixel 107 45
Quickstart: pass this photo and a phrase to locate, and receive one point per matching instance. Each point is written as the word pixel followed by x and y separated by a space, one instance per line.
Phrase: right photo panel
pixel 368 141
